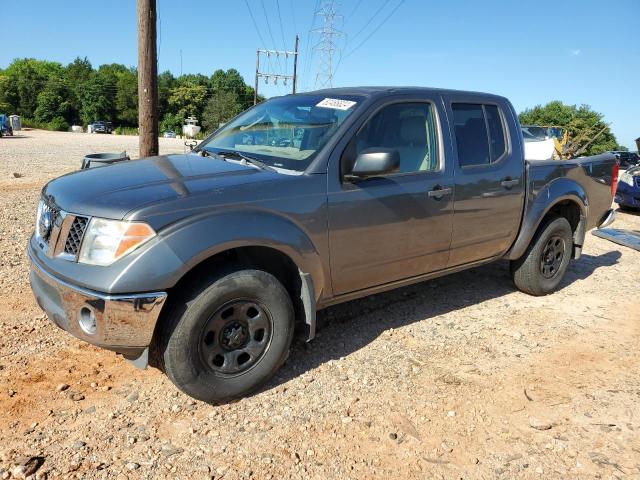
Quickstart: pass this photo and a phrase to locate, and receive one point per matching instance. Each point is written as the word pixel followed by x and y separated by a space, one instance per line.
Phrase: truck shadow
pixel 346 328
pixel 14 137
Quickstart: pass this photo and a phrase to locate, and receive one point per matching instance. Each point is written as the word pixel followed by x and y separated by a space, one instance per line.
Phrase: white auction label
pixel 336 104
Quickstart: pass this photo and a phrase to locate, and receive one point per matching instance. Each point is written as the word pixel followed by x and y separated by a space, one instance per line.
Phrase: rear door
pixel 398 225
pixel 488 177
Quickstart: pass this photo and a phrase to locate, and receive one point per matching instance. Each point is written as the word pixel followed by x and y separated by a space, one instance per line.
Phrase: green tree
pixel 166 82
pixel 8 95
pixel 126 101
pixel 221 107
pixel 77 75
pixel 96 100
pixel 582 123
pixel 171 122
pixel 53 102
pixel 27 77
pixel 188 100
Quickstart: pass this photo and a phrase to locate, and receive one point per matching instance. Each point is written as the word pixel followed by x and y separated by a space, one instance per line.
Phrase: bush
pixel 126 131
pixel 30 123
pixel 58 124
pixel 171 122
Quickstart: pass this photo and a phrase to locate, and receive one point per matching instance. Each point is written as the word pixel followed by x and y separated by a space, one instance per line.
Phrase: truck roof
pixel 374 91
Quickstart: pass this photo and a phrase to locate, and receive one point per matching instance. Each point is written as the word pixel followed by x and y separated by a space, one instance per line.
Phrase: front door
pixel 395 226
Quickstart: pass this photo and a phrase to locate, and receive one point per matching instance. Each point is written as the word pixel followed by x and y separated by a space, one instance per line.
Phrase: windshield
pixel 285 132
pixel 533 134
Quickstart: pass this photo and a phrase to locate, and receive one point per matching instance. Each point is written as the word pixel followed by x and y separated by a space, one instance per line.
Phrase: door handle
pixel 510 182
pixel 438 193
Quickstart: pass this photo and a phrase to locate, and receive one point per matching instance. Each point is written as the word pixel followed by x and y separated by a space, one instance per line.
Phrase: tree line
pixel 55 96
pixel 585 126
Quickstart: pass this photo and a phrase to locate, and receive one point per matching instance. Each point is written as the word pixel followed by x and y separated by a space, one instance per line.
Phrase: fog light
pixel 87 321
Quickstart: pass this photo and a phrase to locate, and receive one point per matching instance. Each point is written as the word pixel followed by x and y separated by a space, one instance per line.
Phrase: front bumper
pixel 122 323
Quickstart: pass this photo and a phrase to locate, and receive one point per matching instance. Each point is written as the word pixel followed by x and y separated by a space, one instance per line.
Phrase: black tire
pixel 210 345
pixel 543 265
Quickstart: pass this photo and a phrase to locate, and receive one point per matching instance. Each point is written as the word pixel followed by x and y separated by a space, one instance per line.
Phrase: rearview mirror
pixel 374 162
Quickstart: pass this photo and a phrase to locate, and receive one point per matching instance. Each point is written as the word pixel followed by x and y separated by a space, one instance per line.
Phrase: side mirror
pixel 373 162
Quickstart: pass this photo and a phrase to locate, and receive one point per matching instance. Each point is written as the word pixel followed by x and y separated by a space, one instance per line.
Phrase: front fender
pixel 540 203
pixel 197 238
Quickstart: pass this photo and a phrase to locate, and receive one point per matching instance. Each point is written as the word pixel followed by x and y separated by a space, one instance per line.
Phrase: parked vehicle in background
pixel 169 134
pixel 628 192
pixel 5 126
pixel 627 159
pixel 538 145
pixel 203 264
pixel 101 127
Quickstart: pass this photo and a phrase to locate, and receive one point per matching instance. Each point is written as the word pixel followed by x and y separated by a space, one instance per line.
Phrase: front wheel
pixel 228 337
pixel 543 265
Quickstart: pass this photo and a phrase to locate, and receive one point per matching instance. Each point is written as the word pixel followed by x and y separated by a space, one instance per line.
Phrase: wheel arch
pixel 563 198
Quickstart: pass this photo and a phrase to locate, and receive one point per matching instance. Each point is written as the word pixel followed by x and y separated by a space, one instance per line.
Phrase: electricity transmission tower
pixel 326 46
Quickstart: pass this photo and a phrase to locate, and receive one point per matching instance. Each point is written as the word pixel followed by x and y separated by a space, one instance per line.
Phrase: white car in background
pixel 538 145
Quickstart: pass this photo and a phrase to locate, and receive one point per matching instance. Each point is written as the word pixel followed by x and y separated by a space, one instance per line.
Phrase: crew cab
pixel 203 264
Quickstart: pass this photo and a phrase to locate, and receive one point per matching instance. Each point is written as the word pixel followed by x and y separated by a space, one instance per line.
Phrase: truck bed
pixel 583 184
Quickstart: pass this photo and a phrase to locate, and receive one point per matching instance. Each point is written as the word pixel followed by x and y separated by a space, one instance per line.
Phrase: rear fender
pixel 538 207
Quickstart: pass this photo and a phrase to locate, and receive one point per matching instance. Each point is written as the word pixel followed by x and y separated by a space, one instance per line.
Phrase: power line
pixel 264 44
pixel 293 16
pixel 284 43
pixel 266 19
pixel 377 12
pixel 255 25
pixel 368 36
pixel 353 11
pixel 308 56
pixel 376 29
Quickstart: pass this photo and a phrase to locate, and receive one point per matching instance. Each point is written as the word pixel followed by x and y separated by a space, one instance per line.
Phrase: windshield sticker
pixel 336 104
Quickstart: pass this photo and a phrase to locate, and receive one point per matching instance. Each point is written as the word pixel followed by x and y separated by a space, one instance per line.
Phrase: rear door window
pixel 479 133
pixel 497 143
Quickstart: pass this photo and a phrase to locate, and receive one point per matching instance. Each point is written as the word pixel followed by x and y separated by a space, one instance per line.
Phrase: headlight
pixel 38 215
pixel 105 241
pixel 627 178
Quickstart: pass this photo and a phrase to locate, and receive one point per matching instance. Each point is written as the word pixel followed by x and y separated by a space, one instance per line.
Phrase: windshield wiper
pixel 204 153
pixel 254 161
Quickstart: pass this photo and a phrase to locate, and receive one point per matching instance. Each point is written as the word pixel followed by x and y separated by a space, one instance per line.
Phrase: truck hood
pixel 115 190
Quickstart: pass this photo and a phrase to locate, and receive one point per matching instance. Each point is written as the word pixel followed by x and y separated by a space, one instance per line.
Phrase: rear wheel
pixel 227 338
pixel 542 267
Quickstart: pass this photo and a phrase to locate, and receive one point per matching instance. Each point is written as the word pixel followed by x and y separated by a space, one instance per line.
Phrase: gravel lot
pixel 460 377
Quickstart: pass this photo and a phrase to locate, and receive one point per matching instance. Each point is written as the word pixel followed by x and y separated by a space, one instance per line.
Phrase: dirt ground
pixel 459 377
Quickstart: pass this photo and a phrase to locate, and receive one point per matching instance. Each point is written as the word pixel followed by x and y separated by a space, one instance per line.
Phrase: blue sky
pixel 577 51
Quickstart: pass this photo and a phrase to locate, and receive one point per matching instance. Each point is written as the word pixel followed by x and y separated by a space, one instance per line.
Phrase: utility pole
pixel 276 76
pixel 327 44
pixel 147 78
pixel 295 66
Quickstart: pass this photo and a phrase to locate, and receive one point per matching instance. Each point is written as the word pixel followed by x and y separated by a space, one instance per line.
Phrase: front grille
pixel 636 179
pixel 74 238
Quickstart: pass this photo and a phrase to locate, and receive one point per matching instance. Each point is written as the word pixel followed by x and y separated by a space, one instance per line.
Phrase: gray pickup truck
pixel 203 264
